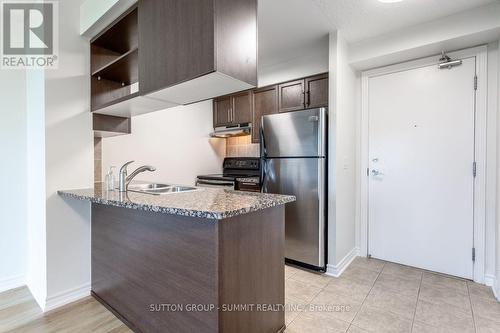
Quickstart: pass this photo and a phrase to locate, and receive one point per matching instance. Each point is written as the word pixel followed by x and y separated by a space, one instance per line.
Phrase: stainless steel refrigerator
pixel 294 156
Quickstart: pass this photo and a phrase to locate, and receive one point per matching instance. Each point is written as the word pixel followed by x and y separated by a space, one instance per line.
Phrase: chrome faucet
pixel 125 180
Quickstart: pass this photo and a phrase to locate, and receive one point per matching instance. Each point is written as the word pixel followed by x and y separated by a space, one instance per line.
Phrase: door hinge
pixel 474 169
pixel 475 82
pixel 473 254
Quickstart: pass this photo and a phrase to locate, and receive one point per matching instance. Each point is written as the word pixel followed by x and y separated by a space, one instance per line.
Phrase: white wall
pixel 466 29
pixel 497 276
pixel 68 163
pixel 342 152
pixel 13 227
pixel 36 278
pixel 176 141
pixel 313 61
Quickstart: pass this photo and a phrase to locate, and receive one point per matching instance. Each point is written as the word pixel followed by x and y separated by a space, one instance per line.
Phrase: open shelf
pixel 123 69
pixel 105 104
pixel 121 36
pixel 114 62
pixel 107 126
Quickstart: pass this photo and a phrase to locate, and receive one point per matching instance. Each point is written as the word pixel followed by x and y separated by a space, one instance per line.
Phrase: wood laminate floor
pixel 371 296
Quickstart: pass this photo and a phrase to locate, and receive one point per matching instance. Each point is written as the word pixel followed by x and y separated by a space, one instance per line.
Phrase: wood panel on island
pixel 251 105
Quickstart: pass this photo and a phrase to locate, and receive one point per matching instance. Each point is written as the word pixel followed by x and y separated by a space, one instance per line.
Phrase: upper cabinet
pixel 316 88
pixel 291 96
pixel 310 92
pixel 250 106
pixel 265 101
pixel 222 111
pixel 192 50
pixel 114 62
pixel 234 109
pixel 163 53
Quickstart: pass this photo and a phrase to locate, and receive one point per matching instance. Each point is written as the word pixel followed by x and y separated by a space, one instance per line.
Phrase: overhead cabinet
pixel 310 92
pixel 265 101
pixel 251 105
pixel 234 109
pixel 192 50
pixel 162 53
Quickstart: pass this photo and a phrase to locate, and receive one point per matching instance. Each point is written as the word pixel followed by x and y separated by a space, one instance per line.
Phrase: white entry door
pixel 421 155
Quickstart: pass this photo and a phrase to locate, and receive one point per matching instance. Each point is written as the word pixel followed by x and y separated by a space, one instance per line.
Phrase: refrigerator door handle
pixel 263 155
pixel 263 166
pixel 263 149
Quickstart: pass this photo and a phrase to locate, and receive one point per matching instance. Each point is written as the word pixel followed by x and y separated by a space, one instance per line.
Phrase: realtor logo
pixel 29 34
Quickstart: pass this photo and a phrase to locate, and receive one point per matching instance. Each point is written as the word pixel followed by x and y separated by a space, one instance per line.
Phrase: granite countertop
pixel 209 203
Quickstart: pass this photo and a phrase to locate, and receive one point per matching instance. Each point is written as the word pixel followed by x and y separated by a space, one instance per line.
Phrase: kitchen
pixel 283 124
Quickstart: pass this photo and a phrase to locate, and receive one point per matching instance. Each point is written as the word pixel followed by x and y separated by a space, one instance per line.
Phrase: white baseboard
pixel 492 281
pixel 12 283
pixel 336 270
pixel 496 288
pixel 65 297
pixel 489 280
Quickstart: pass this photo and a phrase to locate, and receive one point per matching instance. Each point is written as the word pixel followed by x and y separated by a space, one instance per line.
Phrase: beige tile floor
pixel 371 296
pixel 377 296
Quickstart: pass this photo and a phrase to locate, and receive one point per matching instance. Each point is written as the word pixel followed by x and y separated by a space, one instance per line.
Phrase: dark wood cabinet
pixel 174 52
pixel 106 126
pixel 114 62
pixel 222 111
pixel 184 40
pixel 250 106
pixel 242 108
pixel 176 41
pixel 233 109
pixel 291 96
pixel 317 91
pixel 265 101
pixel 311 92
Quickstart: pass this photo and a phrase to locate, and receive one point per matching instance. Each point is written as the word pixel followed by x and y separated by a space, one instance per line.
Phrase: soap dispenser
pixel 109 180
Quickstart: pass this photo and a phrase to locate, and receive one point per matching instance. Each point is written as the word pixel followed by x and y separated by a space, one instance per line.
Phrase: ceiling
pixel 287 27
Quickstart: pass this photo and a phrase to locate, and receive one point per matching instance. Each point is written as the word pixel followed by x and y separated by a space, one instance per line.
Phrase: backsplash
pixel 242 146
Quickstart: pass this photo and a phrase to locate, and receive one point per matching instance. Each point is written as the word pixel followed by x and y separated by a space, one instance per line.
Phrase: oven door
pixel 215 183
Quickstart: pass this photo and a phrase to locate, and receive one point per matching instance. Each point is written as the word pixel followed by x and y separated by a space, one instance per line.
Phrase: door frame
pixel 481 102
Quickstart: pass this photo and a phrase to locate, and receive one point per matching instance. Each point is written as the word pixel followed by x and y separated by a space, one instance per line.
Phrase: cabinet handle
pixel 308 98
pixel 304 98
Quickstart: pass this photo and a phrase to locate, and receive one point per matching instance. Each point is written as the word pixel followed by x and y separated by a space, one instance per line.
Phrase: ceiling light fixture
pixel 389 1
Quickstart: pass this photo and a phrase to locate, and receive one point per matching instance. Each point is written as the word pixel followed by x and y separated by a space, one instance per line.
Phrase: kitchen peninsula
pixel 180 262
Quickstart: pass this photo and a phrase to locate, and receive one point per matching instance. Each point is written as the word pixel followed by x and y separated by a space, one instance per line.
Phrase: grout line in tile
pixel 364 299
pixel 416 303
pixel 471 308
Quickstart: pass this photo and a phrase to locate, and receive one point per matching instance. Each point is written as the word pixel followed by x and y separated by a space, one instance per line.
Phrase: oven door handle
pixel 226 183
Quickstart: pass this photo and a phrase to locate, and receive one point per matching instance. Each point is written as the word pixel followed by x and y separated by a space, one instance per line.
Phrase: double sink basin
pixel 158 189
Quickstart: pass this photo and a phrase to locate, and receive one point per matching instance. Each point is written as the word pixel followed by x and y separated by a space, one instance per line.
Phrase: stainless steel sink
pixel 158 189
pixel 143 187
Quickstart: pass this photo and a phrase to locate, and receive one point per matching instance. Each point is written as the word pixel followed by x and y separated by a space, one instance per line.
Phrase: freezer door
pixel 294 134
pixel 304 218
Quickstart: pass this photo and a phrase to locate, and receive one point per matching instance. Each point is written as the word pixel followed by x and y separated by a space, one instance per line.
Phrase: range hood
pixel 232 130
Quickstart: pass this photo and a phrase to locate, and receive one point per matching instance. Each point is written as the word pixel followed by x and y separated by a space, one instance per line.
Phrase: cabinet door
pixel 291 96
pixel 265 101
pixel 176 42
pixel 317 91
pixel 242 108
pixel 222 111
